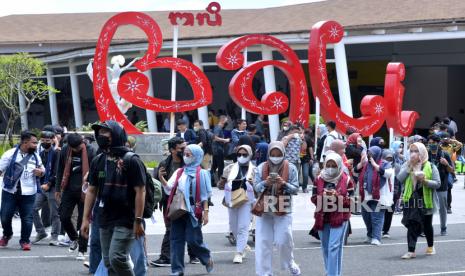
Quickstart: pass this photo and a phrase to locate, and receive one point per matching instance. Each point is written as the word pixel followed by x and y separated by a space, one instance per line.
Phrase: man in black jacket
pixel 73 165
pixel 443 162
pixel 49 156
pixel 185 133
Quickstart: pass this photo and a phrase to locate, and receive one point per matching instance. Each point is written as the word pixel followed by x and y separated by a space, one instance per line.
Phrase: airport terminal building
pixel 427 36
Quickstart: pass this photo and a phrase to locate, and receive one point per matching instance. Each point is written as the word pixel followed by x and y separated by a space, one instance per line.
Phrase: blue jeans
pixel 182 231
pixel 138 257
pixel 332 243
pixel 305 173
pixel 12 202
pixel 374 221
pixel 95 254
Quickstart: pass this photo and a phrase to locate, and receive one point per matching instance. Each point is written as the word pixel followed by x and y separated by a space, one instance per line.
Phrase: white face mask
pixel 188 160
pixel 243 160
pixel 285 128
pixel 332 171
pixel 196 129
pixel 276 160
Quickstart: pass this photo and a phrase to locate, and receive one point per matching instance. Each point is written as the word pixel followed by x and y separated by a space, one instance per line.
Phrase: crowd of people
pixel 98 194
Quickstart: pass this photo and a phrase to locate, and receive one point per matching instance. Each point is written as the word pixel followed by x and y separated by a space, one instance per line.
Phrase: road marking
pixel 434 273
pixel 233 251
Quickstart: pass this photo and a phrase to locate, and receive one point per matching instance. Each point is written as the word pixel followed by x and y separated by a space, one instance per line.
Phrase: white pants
pixel 239 222
pixel 277 230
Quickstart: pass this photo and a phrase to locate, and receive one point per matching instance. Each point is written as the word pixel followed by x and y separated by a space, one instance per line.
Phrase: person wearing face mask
pixel 119 183
pixel 194 183
pixel 284 130
pixel 375 175
pixel 421 179
pixel 22 168
pixel 49 157
pixel 443 162
pixel 166 169
pixel 277 180
pixel 387 193
pixel 378 142
pixel 397 148
pixel 238 179
pixel 73 164
pixel 335 186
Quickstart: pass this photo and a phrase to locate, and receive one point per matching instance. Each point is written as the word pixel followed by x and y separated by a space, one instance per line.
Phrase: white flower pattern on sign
pixel 133 86
pixel 334 32
pixel 277 103
pixel 379 108
pixel 232 59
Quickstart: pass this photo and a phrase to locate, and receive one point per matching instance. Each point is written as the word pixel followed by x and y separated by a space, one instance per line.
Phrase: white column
pixel 343 78
pixel 151 115
pixel 52 99
pixel 270 86
pixel 203 111
pixel 75 95
pixel 22 107
pixel 391 137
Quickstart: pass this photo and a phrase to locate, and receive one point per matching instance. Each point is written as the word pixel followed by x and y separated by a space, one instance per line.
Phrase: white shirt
pixel 333 135
pixel 27 180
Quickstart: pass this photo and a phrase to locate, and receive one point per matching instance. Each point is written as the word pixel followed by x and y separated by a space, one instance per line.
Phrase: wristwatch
pixel 139 220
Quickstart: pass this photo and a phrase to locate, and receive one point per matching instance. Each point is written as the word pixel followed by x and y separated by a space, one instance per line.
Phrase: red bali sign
pixel 229 57
pixel 133 86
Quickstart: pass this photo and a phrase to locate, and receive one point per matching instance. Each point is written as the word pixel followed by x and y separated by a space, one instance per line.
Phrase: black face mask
pixel 31 150
pixel 179 154
pixel 46 145
pixel 103 142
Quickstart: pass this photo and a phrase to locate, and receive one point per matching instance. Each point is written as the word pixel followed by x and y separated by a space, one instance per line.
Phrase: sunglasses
pixel 242 155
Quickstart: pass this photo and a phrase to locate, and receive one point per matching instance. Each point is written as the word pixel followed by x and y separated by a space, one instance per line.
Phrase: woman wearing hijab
pixel 277 180
pixel 187 228
pixel 240 175
pixel 421 179
pixel 397 148
pixel 378 142
pixel 333 186
pixel 373 178
pixel 388 198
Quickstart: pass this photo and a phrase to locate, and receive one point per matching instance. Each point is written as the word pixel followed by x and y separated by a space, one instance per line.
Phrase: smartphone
pixel 274 175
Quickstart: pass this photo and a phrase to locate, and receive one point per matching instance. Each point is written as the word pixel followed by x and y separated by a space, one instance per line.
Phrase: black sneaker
pixel 161 262
pixel 194 260
pixel 73 246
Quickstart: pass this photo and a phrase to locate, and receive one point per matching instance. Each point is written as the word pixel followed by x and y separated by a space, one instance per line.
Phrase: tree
pixel 18 76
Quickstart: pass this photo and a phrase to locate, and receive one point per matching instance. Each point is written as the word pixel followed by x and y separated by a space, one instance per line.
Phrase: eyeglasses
pixel 242 155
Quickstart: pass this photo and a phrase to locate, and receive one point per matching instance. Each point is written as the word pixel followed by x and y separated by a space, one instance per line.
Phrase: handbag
pixel 238 198
pixel 259 207
pixel 178 206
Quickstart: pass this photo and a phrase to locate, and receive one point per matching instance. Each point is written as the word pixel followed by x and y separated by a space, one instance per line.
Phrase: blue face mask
pixel 433 147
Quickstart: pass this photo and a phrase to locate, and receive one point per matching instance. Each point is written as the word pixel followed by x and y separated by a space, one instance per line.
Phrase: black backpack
pixel 150 190
pixel 210 138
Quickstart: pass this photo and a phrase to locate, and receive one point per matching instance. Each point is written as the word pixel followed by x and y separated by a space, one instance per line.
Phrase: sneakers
pixel 86 264
pixel 53 242
pixel 80 256
pixel 375 242
pixel 367 240
pixel 231 238
pixel 209 266
pixel 40 237
pixel 64 241
pixel 194 260
pixel 161 262
pixel 409 255
pixel 73 246
pixel 4 241
pixel 430 251
pixel 444 233
pixel 247 249
pixel 25 246
pixel 449 211
pixel 237 258
pixel 295 270
pixel 386 236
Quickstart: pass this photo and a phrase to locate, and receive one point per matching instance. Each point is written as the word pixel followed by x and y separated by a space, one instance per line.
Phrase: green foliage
pixel 18 76
pixel 151 164
pixel 142 126
pixel 4 147
pixel 88 127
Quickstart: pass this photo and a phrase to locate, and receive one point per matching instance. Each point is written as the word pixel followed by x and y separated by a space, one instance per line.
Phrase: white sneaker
pixel 375 242
pixel 80 256
pixel 295 270
pixel 237 258
pixel 247 249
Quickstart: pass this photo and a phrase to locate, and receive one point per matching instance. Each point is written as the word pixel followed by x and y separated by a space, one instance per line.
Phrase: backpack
pixel 153 189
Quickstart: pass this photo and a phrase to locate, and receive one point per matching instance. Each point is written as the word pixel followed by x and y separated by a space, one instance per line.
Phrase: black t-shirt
pixel 116 192
pixel 443 173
